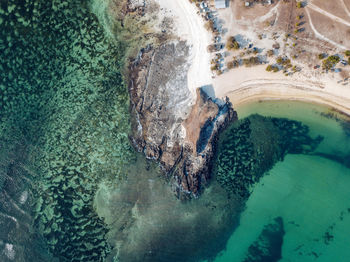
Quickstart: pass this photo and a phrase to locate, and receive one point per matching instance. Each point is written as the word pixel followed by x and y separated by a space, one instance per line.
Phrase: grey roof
pixel 220 4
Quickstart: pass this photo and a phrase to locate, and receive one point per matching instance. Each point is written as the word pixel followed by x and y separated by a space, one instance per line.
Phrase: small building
pixel 344 62
pixel 219 4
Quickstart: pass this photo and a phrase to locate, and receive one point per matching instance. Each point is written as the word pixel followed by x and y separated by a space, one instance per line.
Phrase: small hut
pixel 220 4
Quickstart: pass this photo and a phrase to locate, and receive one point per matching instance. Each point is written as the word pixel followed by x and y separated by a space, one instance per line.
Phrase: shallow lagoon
pixel 309 192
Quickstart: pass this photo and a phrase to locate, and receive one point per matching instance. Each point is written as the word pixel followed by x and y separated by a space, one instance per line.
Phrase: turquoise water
pixel 310 193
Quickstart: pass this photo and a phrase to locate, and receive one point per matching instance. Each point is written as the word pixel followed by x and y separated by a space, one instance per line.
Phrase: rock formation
pixel 171 126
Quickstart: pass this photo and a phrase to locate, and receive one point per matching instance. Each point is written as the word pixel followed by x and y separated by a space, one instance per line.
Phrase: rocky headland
pixel 171 126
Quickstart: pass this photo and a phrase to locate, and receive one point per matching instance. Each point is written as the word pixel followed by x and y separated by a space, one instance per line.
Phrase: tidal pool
pixel 307 194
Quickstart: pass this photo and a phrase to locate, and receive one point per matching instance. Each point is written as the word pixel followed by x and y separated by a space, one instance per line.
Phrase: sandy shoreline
pixel 270 97
pixel 244 85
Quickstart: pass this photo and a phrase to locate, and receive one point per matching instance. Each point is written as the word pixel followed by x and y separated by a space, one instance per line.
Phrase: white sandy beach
pixel 243 84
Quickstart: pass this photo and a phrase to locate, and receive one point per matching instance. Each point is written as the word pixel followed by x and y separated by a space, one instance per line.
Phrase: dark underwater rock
pixel 251 147
pixel 63 97
pixel 268 246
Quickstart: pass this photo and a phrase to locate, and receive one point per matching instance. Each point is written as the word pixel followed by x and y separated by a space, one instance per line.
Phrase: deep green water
pixel 309 193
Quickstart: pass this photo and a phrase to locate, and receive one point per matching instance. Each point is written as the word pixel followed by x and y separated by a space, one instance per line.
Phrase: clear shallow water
pixel 310 193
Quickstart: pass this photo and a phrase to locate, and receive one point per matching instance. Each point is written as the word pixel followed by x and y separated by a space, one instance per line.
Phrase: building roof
pixel 220 4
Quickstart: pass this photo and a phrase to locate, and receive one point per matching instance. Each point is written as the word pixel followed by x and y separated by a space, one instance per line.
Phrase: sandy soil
pixel 245 84
pixel 190 27
pixel 334 7
pixel 330 28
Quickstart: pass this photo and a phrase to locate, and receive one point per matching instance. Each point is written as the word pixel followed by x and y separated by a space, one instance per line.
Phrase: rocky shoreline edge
pixel 167 126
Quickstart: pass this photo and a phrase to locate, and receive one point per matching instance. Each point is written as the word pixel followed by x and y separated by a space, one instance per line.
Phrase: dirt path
pixel 319 35
pixel 345 7
pixel 333 17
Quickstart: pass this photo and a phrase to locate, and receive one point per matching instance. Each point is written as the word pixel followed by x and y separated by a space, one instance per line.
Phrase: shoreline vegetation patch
pixel 251 146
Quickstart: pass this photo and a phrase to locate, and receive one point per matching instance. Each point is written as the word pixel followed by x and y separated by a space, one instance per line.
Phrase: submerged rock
pixel 250 147
pixel 171 126
pixel 268 246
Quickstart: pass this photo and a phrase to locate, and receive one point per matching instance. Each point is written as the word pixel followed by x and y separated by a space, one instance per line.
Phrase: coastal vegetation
pixel 251 61
pixel 300 4
pixel 209 25
pixel 232 64
pixel 270 53
pixel 322 56
pixel 272 68
pixel 330 62
pixel 232 43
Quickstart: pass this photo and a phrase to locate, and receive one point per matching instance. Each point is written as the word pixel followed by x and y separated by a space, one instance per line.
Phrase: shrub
pixel 273 68
pixel 321 56
pixel 209 25
pixel 230 65
pixel 232 44
pixel 253 60
pixel 211 48
pixel 300 5
pixel 279 60
pixel 214 67
pixel 276 46
pixel 285 61
pixel 347 52
pixel 330 62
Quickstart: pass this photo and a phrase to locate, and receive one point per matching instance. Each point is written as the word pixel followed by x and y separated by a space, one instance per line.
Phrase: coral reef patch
pixel 64 128
pixel 251 146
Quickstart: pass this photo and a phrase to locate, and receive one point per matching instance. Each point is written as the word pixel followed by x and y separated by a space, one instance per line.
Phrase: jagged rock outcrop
pixel 172 126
